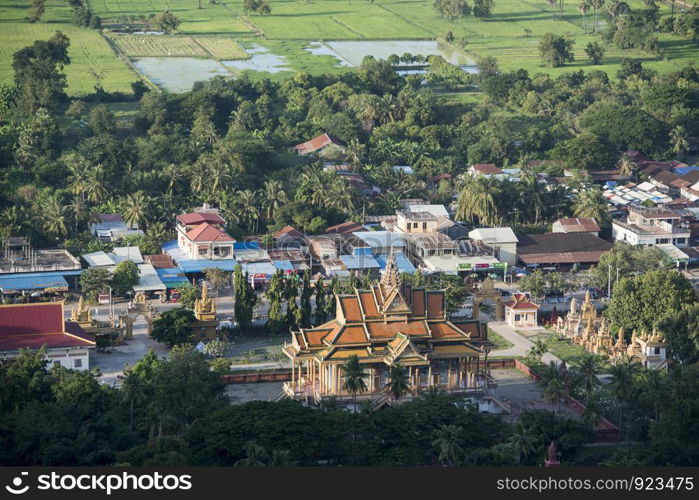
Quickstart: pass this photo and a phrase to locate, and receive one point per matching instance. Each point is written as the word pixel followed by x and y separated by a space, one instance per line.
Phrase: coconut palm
pixel 591 203
pixel 78 174
pixel 587 369
pixel 678 139
pixel 354 378
pixel 447 440
pixel 355 151
pixel 78 209
pixel 52 216
pixel 135 207
pixel 219 176
pixel 246 208
pixel 626 165
pixel 622 385
pixel 655 390
pixel 596 5
pixel 199 177
pixel 398 383
pixel 583 7
pixel 522 442
pixel 272 197
pixel 95 187
pixel 532 198
pixel 133 393
pixel 338 196
pixel 554 391
pixel 312 186
pixel 172 174
pixel 477 200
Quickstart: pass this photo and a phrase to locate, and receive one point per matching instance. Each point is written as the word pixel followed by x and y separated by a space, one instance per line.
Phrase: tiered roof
pixel 390 322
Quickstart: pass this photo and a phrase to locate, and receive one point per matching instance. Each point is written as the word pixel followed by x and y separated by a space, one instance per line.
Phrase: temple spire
pixel 389 276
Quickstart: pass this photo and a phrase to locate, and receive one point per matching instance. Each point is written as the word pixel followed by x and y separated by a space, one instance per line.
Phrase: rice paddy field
pixel 305 35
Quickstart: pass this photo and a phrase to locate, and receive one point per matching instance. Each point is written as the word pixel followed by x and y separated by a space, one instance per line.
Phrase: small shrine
pixel 81 314
pixel 205 313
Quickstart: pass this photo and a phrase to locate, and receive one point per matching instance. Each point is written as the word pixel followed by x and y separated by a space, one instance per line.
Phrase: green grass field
pixel 88 50
pixel 293 23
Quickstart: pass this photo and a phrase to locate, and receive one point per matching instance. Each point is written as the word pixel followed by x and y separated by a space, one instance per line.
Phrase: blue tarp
pixel 685 170
pixel 353 262
pixel 198 266
pixel 259 268
pixel 284 265
pixel 402 263
pixel 172 278
pixel 246 245
pixel 30 281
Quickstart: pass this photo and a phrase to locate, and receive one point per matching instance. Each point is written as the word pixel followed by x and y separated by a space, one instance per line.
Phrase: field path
pixel 347 27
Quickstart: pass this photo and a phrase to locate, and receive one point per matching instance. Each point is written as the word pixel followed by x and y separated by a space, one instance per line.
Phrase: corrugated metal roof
pixel 16 282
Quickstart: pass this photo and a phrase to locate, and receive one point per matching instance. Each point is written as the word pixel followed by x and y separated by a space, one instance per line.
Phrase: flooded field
pixel 261 59
pixel 354 51
pixel 178 74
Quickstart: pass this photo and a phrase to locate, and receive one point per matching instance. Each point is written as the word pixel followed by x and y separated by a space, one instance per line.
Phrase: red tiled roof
pixel 418 299
pixel 289 231
pixel 207 232
pixel 389 330
pixel 443 330
pixel 561 248
pixel 200 217
pixel 369 304
pixel 350 308
pixel 35 325
pixel 521 301
pixel 435 305
pixel 345 227
pixel 315 144
pixel 486 169
pixel 159 260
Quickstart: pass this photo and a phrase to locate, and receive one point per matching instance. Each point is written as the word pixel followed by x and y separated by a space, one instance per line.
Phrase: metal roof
pixel 15 282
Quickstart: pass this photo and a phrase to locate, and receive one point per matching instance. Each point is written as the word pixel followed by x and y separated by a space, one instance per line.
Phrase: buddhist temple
pixel 205 313
pixel 385 325
pixel 591 330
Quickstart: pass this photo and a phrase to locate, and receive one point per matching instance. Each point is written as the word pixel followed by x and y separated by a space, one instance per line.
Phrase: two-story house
pixel 652 226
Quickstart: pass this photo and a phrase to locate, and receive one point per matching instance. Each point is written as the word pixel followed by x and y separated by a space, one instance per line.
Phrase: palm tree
pixel 172 174
pixel 78 176
pixel 522 442
pixel 678 139
pixel 311 186
pixel 199 177
pixel 655 390
pixel 596 5
pixel 447 440
pixel 622 385
pixel 477 200
pixel 532 196
pixel 246 208
pixel 338 196
pixel 587 369
pixel 626 165
pixel 95 187
pixel 219 176
pixel 133 393
pixel 135 207
pixel 355 151
pixel 583 7
pixel 52 218
pixel 354 378
pixel 592 203
pixel 397 383
pixel 272 197
pixel 554 392
pixel 78 209
pixel 538 349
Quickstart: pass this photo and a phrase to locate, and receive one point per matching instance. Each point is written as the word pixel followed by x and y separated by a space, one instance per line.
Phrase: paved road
pixel 520 343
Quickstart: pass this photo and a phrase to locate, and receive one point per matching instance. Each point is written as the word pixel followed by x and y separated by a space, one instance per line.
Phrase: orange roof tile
pixel 350 309
pixel 207 232
pixel 441 330
pixel 418 302
pixel 389 330
pixel 351 335
pixel 369 304
pixel 435 305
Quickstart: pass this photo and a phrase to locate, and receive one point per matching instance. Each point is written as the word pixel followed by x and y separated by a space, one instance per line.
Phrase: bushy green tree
pixel 125 276
pixel 94 281
pixel 556 50
pixel 174 327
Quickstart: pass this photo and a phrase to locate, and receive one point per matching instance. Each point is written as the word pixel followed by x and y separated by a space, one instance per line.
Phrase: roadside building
pixel 503 239
pixel 652 226
pixel 561 250
pixel 31 326
pixel 521 311
pixel 576 225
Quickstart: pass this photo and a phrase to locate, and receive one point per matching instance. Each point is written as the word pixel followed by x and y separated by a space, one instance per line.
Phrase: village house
pixel 383 326
pixel 652 226
pixel 322 145
pixel 112 228
pixel 487 170
pixel 503 239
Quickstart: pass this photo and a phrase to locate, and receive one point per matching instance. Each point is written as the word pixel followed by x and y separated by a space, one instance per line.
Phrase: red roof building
pixel 346 227
pixel 208 232
pixel 197 218
pixel 576 225
pixel 521 312
pixel 486 169
pixel 317 144
pixel 42 324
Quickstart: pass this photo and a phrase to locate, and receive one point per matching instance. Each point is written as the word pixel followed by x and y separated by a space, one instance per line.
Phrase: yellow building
pixel 385 325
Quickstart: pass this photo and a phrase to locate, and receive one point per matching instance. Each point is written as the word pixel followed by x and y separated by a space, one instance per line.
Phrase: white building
pixel 502 238
pixel 521 312
pixel 652 226
pixel 200 236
